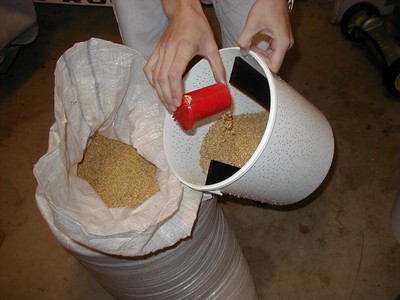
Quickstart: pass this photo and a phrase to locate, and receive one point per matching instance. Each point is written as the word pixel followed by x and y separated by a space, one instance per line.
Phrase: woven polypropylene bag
pixel 100 87
pixel 208 265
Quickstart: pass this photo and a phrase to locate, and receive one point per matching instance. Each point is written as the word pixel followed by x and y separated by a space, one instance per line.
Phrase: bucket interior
pixel 182 148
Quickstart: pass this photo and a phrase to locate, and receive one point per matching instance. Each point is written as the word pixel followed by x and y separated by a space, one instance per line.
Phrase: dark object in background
pixel 363 22
pixel 18 27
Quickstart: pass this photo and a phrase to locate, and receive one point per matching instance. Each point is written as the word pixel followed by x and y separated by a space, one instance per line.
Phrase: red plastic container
pixel 202 103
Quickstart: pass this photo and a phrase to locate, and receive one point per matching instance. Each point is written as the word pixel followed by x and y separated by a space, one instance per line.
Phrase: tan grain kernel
pixel 118 173
pixel 233 139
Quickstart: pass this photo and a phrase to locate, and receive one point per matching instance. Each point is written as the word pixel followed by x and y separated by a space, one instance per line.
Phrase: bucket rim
pixel 216 188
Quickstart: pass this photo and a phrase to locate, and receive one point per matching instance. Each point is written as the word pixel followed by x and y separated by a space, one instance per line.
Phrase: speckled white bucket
pixel 292 159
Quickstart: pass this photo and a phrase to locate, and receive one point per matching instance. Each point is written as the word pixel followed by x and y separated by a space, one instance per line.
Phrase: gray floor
pixel 337 244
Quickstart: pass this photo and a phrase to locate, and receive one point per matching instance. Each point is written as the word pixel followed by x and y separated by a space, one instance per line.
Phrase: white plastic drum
pixel 292 159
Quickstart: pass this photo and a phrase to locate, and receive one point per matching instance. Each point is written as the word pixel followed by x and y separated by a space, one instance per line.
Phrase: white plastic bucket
pixel 290 162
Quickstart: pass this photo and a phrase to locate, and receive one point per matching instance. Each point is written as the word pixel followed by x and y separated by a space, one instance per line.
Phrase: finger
pixel 162 77
pixel 159 82
pixel 279 49
pixel 217 66
pixel 265 56
pixel 270 57
pixel 150 66
pixel 162 98
pixel 244 42
pixel 246 37
pixel 182 57
pixel 150 72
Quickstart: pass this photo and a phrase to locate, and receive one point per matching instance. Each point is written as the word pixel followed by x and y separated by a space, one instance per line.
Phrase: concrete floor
pixel 336 244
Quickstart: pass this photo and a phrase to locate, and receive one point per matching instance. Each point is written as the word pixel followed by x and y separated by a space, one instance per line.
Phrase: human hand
pixel 188 34
pixel 270 18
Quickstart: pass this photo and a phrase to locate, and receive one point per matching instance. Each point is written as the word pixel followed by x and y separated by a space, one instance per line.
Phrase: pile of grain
pixel 233 139
pixel 119 175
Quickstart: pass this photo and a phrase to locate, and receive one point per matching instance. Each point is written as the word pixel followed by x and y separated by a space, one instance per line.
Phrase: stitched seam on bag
pixel 96 83
pixel 73 82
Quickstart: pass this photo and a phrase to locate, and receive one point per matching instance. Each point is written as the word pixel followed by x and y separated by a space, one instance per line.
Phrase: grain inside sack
pixel 233 139
pixel 118 173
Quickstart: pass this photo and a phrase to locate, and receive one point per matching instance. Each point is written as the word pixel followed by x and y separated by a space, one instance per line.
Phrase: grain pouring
pixel 233 139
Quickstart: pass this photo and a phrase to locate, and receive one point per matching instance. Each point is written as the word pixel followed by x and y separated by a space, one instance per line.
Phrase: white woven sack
pixel 208 265
pixel 100 86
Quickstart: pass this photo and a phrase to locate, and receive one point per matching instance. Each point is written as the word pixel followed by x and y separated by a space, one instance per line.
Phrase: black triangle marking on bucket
pixel 251 82
pixel 219 171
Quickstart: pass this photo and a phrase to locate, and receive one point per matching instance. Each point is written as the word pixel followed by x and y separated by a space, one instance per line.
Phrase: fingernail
pixel 168 108
pixel 171 109
pixel 177 103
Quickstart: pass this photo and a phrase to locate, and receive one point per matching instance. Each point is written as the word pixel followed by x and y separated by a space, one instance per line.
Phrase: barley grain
pixel 233 139
pixel 116 171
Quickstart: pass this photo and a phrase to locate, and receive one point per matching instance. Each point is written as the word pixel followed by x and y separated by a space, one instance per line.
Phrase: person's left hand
pixel 271 18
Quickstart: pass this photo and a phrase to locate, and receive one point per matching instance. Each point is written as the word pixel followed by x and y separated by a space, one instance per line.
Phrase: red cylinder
pixel 202 103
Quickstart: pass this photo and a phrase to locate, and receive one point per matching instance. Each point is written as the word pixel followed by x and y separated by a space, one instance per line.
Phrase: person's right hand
pixel 270 18
pixel 188 34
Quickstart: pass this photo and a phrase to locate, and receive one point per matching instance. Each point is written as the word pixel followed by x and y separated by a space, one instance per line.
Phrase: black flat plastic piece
pixel 219 171
pixel 255 85
pixel 251 82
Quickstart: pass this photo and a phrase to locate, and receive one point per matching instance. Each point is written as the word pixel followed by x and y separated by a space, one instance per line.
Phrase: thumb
pixel 244 42
pixel 246 37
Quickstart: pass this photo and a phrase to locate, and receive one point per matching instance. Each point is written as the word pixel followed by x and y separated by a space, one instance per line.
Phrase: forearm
pixel 173 7
pixel 286 4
